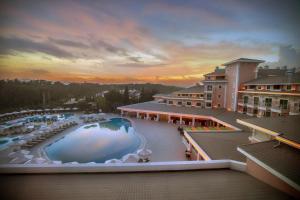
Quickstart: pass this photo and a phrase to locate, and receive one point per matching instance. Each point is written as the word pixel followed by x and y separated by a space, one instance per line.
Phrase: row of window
pixel 210 87
pixel 283 103
pixel 190 95
pixel 188 103
pixel 269 87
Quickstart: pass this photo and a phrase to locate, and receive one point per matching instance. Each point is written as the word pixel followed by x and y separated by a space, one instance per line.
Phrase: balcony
pixel 265 106
pixel 294 111
pixel 280 109
pixel 241 102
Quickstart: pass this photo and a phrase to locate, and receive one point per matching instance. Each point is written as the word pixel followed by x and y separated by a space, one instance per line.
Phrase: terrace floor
pixel 162 138
pixel 198 184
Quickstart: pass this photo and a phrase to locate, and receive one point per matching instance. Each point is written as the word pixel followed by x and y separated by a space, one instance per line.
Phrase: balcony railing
pixel 280 108
pixel 295 110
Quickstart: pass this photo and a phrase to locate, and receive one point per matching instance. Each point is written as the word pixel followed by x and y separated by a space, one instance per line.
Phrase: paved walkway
pixel 162 138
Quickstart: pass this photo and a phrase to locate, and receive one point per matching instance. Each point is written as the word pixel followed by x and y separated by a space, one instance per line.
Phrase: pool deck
pixel 162 138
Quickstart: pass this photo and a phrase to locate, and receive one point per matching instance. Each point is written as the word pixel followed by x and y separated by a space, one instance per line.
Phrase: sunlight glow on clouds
pixel 141 41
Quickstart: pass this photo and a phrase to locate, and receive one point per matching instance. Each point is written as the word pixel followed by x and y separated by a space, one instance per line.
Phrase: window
pixel 252 87
pixel 255 111
pixel 268 87
pixel 220 86
pixel 268 102
pixel 170 102
pixel 198 95
pixel 208 96
pixel 188 103
pixel 256 101
pixel 276 87
pixel 209 88
pixel 246 98
pixel 219 96
pixel 219 105
pixel 179 95
pixel 179 103
pixel 164 101
pixel 268 113
pixel 283 104
pixel 198 104
pixel 259 87
pixel 288 87
pixel 208 104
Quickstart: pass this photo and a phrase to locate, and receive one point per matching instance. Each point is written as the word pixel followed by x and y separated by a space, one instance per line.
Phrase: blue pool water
pixel 96 142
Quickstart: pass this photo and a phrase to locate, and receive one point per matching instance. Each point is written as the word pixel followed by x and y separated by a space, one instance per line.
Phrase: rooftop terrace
pixel 281 160
pixel 222 145
pixel 200 184
pixel 287 127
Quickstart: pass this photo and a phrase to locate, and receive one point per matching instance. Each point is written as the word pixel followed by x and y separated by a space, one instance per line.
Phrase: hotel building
pixel 241 86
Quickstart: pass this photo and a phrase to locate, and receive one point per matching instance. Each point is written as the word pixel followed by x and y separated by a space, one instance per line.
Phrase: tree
pixel 142 95
pixel 126 96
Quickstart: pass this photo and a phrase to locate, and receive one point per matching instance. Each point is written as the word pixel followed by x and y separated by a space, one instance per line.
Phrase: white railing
pixel 121 167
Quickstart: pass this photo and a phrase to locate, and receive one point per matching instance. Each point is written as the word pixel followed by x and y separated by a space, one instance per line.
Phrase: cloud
pixel 68 43
pixel 100 44
pixel 8 45
pixel 39 71
pixel 289 56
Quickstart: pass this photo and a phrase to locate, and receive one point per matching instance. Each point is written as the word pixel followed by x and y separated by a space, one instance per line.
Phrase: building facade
pixel 189 97
pixel 241 86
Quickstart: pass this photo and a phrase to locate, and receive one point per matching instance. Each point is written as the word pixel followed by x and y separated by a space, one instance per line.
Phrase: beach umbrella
pixel 37 160
pixel 144 153
pixel 19 160
pixel 18 153
pixel 55 162
pixel 91 163
pixel 113 161
pixel 130 158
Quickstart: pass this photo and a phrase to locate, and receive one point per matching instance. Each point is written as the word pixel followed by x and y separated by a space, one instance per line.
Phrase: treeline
pixel 114 99
pixel 16 94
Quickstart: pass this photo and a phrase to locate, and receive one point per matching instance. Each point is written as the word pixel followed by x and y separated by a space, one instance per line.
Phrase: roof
pixel 217 72
pixel 222 184
pixel 282 159
pixel 193 89
pixel 222 145
pixel 219 113
pixel 270 72
pixel 287 126
pixel 247 60
pixel 275 80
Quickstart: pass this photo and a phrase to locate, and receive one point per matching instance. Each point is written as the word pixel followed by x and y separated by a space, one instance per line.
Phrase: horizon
pixel 159 42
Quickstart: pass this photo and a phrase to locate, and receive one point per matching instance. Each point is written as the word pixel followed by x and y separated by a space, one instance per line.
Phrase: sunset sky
pixel 170 42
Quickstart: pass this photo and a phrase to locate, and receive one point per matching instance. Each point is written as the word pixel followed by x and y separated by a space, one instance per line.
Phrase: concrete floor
pixel 162 138
pixel 200 184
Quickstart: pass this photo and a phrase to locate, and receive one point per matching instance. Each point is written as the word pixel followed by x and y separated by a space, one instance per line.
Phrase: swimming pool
pixel 96 142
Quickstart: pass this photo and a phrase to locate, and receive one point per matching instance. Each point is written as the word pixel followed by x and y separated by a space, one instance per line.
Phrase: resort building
pixel 241 86
pixel 215 89
pixel 189 97
pixel 271 95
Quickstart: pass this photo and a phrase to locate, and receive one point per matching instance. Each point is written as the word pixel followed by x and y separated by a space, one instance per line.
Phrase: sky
pixel 170 42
